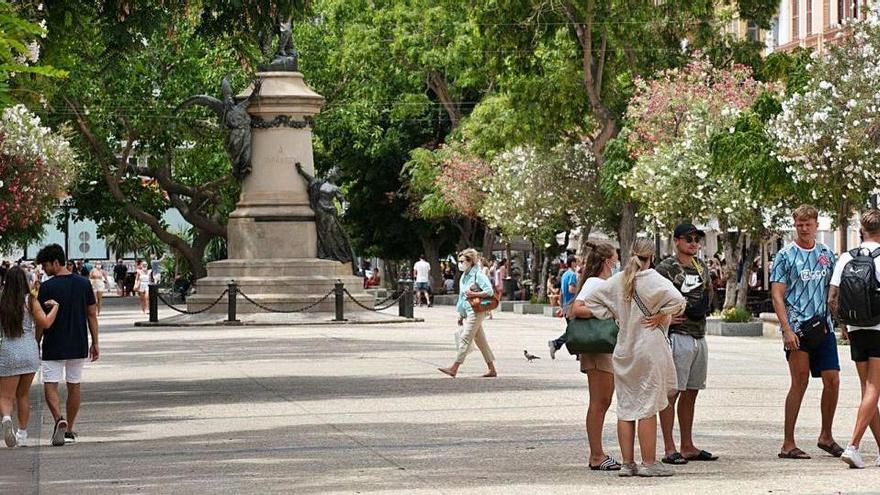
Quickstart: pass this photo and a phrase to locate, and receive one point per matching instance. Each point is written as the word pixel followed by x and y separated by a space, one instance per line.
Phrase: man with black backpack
pixel 687 335
pixel 855 300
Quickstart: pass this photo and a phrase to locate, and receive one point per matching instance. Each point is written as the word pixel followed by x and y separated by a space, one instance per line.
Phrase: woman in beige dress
pixel 644 373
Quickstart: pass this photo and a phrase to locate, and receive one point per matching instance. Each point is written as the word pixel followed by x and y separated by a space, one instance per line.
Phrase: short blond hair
pixel 471 255
pixel 871 222
pixel 805 212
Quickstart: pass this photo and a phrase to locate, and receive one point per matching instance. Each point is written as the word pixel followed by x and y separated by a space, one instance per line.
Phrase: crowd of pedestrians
pixel 661 359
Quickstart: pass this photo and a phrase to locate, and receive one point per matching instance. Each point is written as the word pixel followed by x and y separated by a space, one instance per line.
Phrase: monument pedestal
pixel 282 284
pixel 272 237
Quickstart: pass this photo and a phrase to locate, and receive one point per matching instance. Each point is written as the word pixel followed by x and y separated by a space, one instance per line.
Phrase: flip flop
pixel 674 458
pixel 794 453
pixel 609 464
pixel 833 449
pixel 702 456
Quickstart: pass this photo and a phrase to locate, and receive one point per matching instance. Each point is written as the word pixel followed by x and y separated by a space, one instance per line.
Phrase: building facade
pixel 812 23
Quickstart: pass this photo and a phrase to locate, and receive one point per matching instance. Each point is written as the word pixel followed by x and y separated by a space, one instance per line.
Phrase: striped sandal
pixel 609 464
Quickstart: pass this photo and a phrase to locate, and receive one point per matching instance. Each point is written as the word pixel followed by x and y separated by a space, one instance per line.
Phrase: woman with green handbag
pixel 600 264
pixel 644 372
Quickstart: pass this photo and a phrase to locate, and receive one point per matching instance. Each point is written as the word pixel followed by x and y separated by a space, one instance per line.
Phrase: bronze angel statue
pixel 235 120
pixel 333 242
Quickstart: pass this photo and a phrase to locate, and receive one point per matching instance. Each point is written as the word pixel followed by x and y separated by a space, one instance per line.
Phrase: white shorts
pixel 69 371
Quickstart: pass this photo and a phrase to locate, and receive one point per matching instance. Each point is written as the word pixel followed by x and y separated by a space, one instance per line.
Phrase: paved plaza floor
pixel 362 409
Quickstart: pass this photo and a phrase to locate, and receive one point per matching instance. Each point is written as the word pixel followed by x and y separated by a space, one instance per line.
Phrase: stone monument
pixel 272 234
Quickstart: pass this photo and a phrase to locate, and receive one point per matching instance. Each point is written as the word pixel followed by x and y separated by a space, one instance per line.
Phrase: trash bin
pixel 509 288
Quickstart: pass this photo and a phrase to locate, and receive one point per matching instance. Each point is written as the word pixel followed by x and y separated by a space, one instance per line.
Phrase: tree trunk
pixel 545 269
pixel 196 256
pixel 466 233
pixel 582 241
pixel 626 233
pixel 733 246
pixel 390 273
pixel 842 227
pixel 535 271
pixel 742 293
pixel 431 250
pixel 488 241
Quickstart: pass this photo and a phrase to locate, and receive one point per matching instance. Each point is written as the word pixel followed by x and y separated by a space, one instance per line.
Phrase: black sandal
pixel 833 449
pixel 702 456
pixel 674 458
pixel 609 464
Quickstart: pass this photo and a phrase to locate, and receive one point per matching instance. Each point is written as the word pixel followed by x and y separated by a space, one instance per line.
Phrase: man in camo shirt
pixel 687 332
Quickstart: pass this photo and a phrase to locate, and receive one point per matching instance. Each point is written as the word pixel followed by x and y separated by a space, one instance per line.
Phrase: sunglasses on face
pixel 690 238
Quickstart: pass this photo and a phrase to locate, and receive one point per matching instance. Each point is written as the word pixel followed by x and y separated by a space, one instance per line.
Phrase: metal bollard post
pixel 340 302
pixel 153 292
pixel 408 295
pixel 232 289
pixel 402 302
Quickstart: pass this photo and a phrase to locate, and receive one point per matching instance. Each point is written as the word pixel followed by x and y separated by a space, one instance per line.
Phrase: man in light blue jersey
pixel 801 275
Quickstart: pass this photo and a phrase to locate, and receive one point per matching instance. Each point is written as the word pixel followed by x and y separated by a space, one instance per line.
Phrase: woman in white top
pixel 600 264
pixel 98 279
pixel 142 283
pixel 644 372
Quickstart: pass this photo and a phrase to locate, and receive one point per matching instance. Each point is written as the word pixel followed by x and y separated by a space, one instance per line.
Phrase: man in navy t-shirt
pixel 65 345
pixel 568 290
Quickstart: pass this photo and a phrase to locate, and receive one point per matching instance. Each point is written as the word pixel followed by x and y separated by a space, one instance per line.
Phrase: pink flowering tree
pixel 673 121
pixel 36 166
pixel 658 113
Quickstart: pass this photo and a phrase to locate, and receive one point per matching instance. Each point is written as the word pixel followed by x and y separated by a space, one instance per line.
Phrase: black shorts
pixel 864 344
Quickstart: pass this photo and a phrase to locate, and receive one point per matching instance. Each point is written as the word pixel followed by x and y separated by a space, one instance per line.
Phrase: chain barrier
pixel 273 310
pixel 377 307
pixel 394 295
pixel 183 311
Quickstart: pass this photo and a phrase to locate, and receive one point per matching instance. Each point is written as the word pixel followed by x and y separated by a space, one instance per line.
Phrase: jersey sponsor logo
pixel 808 275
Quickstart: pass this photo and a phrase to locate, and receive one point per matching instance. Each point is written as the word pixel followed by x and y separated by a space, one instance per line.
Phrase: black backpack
pixel 859 296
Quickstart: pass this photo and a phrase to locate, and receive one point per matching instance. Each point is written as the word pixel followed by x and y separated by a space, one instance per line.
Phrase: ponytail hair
pixel 597 255
pixel 640 257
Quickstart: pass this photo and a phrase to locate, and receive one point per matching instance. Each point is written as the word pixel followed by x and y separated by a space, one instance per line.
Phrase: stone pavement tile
pixel 363 410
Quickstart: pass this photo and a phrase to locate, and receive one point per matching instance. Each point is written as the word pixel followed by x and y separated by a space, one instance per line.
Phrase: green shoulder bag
pixel 591 336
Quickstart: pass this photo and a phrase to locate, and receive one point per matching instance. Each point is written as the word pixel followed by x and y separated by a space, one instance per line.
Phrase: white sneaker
pixel 8 431
pixel 852 457
pixel 21 438
pixel 654 470
pixel 877 461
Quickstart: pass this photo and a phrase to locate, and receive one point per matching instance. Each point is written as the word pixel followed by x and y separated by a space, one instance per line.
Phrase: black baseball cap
pixel 684 229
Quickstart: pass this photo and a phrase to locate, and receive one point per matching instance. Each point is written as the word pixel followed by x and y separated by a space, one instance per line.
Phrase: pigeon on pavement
pixel 530 357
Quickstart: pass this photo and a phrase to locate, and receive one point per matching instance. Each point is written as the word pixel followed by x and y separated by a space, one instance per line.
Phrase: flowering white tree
pixel 829 133
pixel 36 166
pixel 538 193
